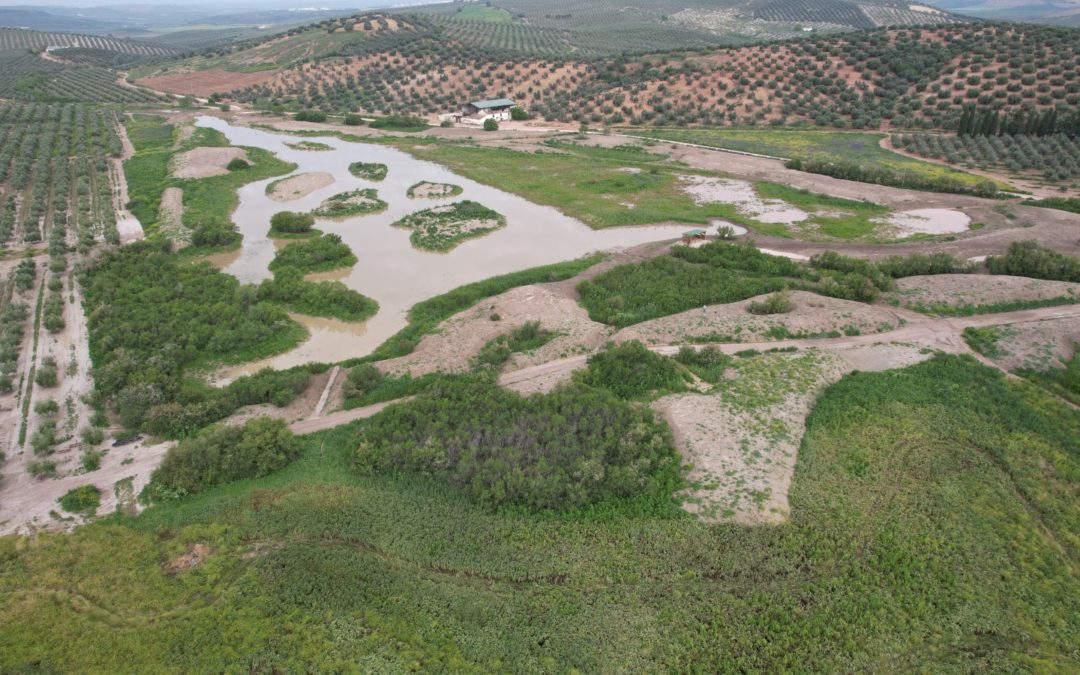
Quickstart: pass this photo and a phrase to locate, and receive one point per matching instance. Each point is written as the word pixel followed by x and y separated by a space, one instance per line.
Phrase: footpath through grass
pixel 933 527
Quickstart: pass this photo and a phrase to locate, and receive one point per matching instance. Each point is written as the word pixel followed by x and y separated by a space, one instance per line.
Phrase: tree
pixel 490 124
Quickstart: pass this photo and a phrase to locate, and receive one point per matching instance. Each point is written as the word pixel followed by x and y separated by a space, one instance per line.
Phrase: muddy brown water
pixel 389 269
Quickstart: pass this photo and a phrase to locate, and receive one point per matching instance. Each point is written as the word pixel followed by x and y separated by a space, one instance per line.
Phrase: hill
pixel 17 38
pixel 919 77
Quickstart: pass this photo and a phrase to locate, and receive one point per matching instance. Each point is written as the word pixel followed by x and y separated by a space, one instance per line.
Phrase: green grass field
pixel 933 528
pixel 858 147
pixel 595 186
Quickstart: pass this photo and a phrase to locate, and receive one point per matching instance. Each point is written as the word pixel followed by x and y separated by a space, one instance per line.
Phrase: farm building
pixel 476 112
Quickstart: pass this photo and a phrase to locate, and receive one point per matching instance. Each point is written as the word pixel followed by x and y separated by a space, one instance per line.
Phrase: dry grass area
pixel 976 289
pixel 205 162
pixel 460 337
pixel 298 186
pixel 813 315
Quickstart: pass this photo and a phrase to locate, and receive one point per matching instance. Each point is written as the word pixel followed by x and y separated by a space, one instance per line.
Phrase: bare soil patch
pixel 298 186
pixel 814 315
pixel 205 162
pixel 1037 345
pixel 205 82
pixel 743 440
pixel 976 289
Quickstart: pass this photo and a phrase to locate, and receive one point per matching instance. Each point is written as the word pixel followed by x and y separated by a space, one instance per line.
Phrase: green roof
pixel 492 103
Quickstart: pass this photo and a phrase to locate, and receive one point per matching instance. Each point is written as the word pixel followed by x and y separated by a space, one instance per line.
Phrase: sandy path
pixel 127 225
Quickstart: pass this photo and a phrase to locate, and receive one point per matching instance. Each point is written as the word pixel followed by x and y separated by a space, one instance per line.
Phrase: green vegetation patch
pixel 843 218
pixel 291 222
pixel 83 499
pixel 368 170
pixel 314 254
pixel 441 228
pixel 497 351
pixel 722 272
pixel 558 451
pixel 353 202
pixel 147 171
pixel 984 340
pixel 330 299
pixel 599 193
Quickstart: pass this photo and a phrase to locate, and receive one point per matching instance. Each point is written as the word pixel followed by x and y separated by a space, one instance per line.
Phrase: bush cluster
pixel 291 222
pixel 1030 259
pixel 224 454
pixel 630 371
pixel 563 450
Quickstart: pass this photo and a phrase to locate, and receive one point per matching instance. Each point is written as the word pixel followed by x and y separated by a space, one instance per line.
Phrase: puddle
pixel 223 259
pixel 389 269
pixel 927 221
pixel 785 254
pixel 329 340
pixel 709 190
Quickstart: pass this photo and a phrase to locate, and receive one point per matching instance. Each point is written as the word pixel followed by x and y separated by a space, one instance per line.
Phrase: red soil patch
pixel 205 82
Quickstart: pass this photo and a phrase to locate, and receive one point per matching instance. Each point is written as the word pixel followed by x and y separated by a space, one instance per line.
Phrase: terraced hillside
pixel 922 77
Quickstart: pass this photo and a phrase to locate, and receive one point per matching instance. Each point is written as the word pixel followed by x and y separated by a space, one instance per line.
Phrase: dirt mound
pixel 298 186
pixel 813 316
pixel 205 162
pixel 460 337
pixel 193 558
pixel 976 289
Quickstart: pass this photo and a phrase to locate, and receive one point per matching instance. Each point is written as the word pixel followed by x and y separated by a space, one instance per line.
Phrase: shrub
pixel 223 454
pixel 361 380
pixel 44 439
pixel 237 164
pixel 630 371
pixel 399 123
pixel 214 234
pixel 316 254
pixel 46 407
pixel 491 125
pixel 557 451
pixel 291 222
pixel 519 114
pixel 46 374
pixel 709 363
pixel 41 468
pixel 83 499
pixel 777 303
pixel 353 120
pixel 90 460
pixel 1030 259
pixel 310 116
pixel 92 436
